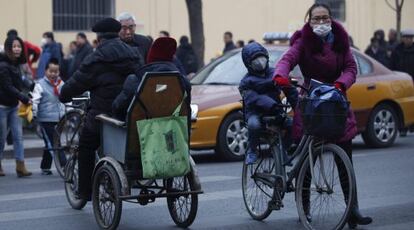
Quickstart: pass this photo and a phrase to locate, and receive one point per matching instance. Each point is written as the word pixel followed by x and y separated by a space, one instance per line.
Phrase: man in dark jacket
pixel 187 56
pixel 392 42
pixel 261 96
pixel 375 51
pixel 402 59
pixel 159 60
pixel 103 74
pixel 83 49
pixel 228 42
pixel 127 34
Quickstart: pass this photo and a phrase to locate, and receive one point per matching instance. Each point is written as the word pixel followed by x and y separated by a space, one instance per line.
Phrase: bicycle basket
pixel 324 118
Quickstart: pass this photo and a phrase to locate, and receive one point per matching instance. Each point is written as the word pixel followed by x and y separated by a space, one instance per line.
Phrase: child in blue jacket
pixel 261 96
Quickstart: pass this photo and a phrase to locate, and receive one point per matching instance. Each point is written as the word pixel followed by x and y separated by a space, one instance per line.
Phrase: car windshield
pixel 229 69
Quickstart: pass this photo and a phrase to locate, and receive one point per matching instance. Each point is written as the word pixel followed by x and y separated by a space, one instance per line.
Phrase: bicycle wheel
pixel 320 199
pixel 66 138
pixel 71 184
pixel 256 193
pixel 107 207
pixel 183 208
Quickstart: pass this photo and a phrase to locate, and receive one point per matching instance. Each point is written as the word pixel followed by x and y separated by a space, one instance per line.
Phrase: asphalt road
pixel 385 181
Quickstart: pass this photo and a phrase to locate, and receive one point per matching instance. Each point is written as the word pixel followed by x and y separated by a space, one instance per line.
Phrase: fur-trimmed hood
pixel 312 42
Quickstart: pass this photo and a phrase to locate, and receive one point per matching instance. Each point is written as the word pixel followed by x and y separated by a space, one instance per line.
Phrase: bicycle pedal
pixel 290 187
pixel 275 205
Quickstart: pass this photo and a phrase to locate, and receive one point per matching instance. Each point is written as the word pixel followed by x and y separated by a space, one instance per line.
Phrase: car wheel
pixel 232 138
pixel 382 127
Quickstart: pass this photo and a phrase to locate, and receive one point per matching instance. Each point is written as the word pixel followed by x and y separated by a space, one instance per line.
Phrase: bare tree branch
pixel 399 4
pixel 389 4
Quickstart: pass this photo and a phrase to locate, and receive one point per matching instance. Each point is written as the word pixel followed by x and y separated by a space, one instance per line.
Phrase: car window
pixel 230 69
pixel 365 66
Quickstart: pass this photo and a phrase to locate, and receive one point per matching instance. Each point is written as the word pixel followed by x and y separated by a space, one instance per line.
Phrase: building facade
pixel 246 19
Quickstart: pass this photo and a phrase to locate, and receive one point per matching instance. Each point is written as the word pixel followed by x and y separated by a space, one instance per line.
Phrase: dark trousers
pixel 347 147
pixel 89 142
pixel 48 131
pixel 255 128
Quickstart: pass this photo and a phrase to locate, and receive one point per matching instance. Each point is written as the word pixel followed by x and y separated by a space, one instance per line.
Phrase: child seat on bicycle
pixel 261 97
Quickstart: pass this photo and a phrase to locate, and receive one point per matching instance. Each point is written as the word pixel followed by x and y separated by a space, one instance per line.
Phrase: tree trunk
pixel 398 6
pixel 195 16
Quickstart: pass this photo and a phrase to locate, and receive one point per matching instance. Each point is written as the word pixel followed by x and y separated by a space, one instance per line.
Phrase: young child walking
pixel 47 110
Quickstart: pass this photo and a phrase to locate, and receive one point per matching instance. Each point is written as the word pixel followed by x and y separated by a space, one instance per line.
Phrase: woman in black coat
pixel 11 86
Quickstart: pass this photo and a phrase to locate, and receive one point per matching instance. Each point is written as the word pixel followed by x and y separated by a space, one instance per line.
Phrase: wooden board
pixel 158 96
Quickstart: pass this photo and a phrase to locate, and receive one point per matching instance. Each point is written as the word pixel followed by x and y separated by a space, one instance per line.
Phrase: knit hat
pixel 107 25
pixel 163 49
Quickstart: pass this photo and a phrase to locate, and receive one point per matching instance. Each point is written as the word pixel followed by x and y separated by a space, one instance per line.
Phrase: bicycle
pixel 320 203
pixel 67 132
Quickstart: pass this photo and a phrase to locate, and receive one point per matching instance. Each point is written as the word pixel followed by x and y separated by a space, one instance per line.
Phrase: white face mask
pixel 322 29
pixel 259 64
pixel 43 41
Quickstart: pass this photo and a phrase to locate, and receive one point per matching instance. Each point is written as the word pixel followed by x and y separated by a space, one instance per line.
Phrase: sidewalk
pixel 33 146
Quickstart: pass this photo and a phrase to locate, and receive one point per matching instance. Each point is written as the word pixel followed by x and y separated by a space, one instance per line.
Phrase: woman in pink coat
pixel 322 51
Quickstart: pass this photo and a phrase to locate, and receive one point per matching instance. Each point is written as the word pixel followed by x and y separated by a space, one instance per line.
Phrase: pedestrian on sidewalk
pixel 375 51
pixel 83 49
pixel 186 55
pixel 228 42
pixel 50 49
pixel 11 86
pixel 31 51
pixel 47 111
pixel 127 34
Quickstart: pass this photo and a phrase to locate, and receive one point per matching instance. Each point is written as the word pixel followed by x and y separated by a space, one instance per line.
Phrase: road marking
pixel 67 211
pixel 207 179
pixel 61 192
pixel 372 202
pixel 31 195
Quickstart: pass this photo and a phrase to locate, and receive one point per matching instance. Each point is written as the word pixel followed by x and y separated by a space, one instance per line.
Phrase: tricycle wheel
pixel 107 206
pixel 183 208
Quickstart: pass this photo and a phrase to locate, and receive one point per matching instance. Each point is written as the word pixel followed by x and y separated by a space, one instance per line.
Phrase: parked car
pixel 383 102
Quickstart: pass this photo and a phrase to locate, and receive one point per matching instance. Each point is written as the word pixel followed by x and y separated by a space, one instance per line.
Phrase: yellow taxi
pixel 383 102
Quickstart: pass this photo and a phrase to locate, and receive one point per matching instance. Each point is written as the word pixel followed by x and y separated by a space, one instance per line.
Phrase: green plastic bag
pixel 164 146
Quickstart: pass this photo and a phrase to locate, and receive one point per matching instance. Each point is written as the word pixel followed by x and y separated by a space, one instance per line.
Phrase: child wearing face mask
pixel 47 110
pixel 261 96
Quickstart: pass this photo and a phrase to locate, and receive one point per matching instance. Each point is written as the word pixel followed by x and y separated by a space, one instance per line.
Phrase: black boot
pixel 355 218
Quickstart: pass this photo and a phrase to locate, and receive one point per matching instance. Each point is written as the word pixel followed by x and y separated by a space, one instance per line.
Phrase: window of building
pixel 76 15
pixel 337 8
